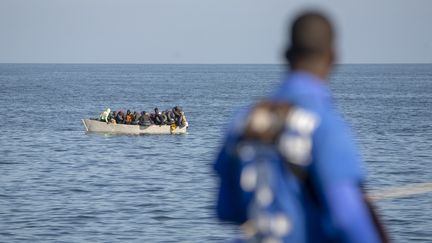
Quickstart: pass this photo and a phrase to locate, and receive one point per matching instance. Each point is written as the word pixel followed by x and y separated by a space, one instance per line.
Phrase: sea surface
pixel 59 184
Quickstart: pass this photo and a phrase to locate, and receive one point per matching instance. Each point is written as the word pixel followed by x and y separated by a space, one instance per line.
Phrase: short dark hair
pixel 311 35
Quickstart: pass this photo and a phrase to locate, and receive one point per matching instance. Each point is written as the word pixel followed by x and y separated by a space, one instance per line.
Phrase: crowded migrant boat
pixel 171 117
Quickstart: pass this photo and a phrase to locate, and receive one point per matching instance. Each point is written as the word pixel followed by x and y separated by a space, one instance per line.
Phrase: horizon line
pixel 132 63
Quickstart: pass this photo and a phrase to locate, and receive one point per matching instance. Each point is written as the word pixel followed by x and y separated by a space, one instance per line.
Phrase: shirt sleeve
pixel 335 155
pixel 338 171
pixel 349 213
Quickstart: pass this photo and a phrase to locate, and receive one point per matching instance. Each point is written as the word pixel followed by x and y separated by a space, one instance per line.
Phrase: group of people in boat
pixel 175 116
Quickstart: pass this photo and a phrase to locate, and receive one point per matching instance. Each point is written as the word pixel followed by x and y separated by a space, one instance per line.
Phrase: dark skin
pixel 318 66
pixel 311 47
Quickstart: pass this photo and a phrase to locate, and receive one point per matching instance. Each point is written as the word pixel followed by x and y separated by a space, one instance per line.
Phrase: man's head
pixel 311 48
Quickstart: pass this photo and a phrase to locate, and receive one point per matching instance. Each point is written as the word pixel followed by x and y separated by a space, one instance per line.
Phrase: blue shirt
pixel 335 171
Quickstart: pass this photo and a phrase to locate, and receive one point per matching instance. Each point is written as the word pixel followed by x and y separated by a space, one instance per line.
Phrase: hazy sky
pixel 205 31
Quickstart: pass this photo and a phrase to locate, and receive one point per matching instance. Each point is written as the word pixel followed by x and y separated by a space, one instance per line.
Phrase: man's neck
pixel 315 67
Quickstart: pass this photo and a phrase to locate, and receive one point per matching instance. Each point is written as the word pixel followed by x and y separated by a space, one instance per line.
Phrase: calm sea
pixel 59 184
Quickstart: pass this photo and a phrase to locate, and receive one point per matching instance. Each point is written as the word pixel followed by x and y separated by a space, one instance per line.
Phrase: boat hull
pixel 103 127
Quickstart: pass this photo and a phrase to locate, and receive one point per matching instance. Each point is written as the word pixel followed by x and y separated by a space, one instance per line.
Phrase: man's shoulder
pixel 335 152
pixel 332 121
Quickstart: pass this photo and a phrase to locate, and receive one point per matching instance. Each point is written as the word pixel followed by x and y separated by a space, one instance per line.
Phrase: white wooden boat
pixel 103 127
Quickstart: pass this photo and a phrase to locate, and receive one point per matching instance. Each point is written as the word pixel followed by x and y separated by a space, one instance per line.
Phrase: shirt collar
pixel 306 83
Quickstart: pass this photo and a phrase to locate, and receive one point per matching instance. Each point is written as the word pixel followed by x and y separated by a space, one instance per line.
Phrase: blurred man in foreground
pixel 289 168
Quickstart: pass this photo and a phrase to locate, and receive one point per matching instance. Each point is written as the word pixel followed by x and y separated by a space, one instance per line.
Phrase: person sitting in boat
pixel 164 118
pixel 176 113
pixel 170 117
pixel 180 117
pixel 112 117
pixel 104 115
pixel 145 120
pixel 157 117
pixel 124 117
pixel 183 121
pixel 129 117
pixel 119 117
pixel 136 117
pixel 153 116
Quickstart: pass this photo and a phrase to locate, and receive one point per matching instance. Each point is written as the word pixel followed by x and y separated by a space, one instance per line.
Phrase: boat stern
pixel 85 125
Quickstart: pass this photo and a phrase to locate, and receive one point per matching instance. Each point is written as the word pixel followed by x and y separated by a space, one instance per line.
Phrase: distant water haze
pixel 197 31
